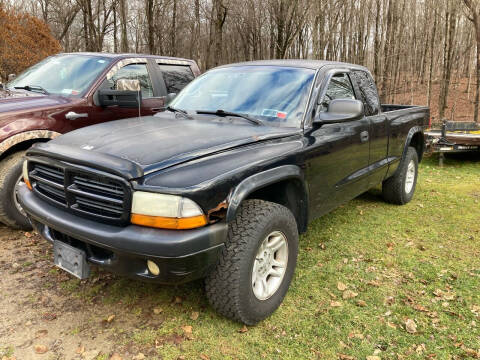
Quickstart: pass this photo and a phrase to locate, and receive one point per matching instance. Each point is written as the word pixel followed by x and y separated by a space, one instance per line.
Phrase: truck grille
pixel 89 194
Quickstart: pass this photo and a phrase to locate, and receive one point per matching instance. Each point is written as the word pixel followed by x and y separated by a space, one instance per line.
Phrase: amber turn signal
pixel 27 182
pixel 168 222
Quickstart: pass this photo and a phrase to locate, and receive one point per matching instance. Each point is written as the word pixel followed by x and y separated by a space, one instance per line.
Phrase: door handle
pixel 157 109
pixel 72 115
pixel 364 136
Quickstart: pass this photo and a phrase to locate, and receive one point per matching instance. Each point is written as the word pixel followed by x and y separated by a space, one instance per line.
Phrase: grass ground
pixel 372 280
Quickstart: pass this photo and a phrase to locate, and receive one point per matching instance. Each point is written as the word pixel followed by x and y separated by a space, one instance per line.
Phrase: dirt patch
pixel 42 316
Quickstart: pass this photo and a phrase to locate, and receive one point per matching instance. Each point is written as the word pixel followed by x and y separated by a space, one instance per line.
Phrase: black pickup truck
pixel 221 185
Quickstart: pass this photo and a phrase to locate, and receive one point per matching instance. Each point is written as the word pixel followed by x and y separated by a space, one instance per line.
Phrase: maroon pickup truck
pixel 69 91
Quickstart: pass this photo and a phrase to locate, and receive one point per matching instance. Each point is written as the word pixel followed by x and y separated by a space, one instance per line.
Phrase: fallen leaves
pixel 115 356
pixel 361 303
pixel 335 304
pixel 345 357
pixel 194 315
pixel 410 326
pixel 243 329
pixel 349 294
pixel 40 349
pixel 157 310
pixel 373 357
pixel 341 286
pixel 188 331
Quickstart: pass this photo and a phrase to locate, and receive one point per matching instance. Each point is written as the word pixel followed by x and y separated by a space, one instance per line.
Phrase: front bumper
pixel 182 255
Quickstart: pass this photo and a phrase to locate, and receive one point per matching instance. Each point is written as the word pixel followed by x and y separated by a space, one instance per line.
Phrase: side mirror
pixel 126 95
pixel 170 97
pixel 11 77
pixel 340 110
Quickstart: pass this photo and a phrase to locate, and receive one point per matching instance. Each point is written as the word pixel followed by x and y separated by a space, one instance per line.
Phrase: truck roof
pixel 307 64
pixel 125 55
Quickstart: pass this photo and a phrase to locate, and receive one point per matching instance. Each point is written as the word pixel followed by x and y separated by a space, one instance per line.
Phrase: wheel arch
pixel 416 139
pixel 283 185
pixel 23 141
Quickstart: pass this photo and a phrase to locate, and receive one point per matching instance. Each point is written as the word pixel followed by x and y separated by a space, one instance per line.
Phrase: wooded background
pixel 420 51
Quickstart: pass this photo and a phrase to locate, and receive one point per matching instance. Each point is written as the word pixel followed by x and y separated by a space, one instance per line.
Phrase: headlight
pixel 25 174
pixel 165 211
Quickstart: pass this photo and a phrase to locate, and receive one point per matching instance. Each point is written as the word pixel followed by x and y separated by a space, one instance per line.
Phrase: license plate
pixel 71 259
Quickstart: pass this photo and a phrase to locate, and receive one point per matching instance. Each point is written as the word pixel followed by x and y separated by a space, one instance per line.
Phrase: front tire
pixel 257 263
pixel 11 213
pixel 399 188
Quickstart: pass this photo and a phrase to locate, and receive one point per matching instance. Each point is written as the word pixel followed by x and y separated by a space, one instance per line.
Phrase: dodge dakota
pixel 69 91
pixel 221 185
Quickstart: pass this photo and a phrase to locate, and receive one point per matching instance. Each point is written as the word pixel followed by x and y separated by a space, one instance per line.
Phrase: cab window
pixel 132 72
pixel 339 87
pixel 176 77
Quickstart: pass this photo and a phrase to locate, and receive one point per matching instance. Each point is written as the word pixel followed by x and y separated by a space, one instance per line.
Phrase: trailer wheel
pixel 399 188
pixel 11 212
pixel 257 263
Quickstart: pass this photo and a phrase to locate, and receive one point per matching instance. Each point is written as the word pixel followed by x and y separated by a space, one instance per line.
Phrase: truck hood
pixel 25 101
pixel 135 147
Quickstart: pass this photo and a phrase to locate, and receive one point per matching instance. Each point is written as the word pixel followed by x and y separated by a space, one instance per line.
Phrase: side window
pixel 176 77
pixel 132 72
pixel 339 87
pixel 368 92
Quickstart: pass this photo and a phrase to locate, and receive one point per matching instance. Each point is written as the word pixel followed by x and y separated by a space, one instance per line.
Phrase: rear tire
pixel 399 188
pixel 261 248
pixel 10 175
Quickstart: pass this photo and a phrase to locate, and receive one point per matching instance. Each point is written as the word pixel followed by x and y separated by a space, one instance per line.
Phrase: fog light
pixel 153 268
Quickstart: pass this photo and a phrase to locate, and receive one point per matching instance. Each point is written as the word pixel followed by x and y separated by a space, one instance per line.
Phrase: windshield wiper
pixel 179 111
pixel 33 88
pixel 221 112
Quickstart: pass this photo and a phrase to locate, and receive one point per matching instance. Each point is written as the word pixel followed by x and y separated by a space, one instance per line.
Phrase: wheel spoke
pixel 276 243
pixel 264 287
pixel 278 264
pixel 276 272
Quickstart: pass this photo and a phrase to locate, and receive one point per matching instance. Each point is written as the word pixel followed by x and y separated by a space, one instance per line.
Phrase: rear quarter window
pixel 368 92
pixel 176 77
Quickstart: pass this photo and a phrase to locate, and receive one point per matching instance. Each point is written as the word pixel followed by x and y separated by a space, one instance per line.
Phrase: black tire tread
pixel 222 284
pixel 393 187
pixel 5 168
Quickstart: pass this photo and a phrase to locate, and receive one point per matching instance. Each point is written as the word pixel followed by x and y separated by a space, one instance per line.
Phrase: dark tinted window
pixel 176 77
pixel 368 92
pixel 131 72
pixel 339 87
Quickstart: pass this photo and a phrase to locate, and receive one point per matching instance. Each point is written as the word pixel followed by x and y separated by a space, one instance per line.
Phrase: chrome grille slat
pixel 88 194
pixel 47 182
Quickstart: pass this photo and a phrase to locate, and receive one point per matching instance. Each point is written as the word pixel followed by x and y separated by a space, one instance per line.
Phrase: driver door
pixel 151 103
pixel 338 153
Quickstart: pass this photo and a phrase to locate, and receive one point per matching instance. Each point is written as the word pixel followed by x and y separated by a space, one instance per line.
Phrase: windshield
pixel 67 75
pixel 274 95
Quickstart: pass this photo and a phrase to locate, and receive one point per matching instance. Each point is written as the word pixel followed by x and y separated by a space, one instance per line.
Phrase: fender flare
pixel 414 130
pixel 258 181
pixel 8 143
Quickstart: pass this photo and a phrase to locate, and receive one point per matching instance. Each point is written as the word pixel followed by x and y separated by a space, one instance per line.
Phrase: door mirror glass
pixel 340 110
